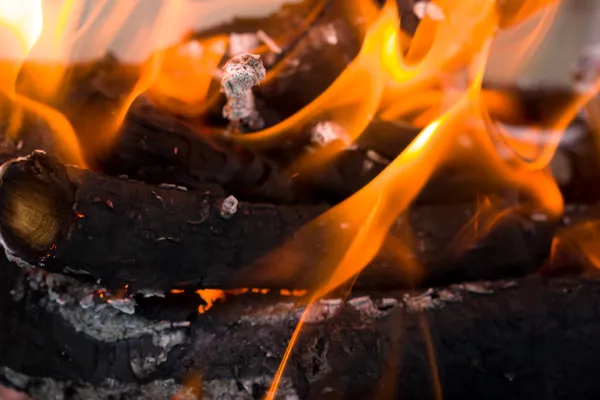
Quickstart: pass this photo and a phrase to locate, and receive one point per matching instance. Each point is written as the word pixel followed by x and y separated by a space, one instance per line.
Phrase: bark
pixel 122 231
pixel 159 148
pixel 513 339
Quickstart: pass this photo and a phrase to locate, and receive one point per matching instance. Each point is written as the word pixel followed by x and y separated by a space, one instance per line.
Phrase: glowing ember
pixel 209 296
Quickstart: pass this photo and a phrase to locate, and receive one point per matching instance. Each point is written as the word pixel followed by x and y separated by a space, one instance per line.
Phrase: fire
pixel 458 129
pixel 209 296
pixel 25 19
pixel 441 69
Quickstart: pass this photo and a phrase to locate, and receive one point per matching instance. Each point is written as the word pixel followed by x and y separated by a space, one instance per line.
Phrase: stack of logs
pixel 97 288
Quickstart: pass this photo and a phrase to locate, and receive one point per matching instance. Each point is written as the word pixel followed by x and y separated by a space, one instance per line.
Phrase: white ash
pixel 429 9
pixel 539 217
pixel 70 299
pixel 431 299
pixel 143 367
pixel 109 389
pixel 330 34
pixel 244 389
pixel 478 287
pixel 239 107
pixel 240 74
pixel 274 313
pixel 586 69
pixel 366 306
pixel 172 186
pixel 151 293
pixel 108 324
pixel 325 132
pixel 229 207
pixel 321 310
pixel 16 379
pixel 125 305
pixel 368 165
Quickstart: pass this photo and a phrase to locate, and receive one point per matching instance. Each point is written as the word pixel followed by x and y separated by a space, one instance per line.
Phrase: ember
pixel 299 199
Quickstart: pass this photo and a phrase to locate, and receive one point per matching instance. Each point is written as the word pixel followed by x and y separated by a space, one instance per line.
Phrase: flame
pixel 209 296
pixel 458 126
pixel 579 240
pixel 182 84
pixel 351 101
pixel 440 69
pixel 24 19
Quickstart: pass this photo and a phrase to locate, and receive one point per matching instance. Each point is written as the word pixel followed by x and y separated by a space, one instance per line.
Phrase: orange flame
pixel 209 296
pixel 23 21
pixel 460 128
pixel 183 81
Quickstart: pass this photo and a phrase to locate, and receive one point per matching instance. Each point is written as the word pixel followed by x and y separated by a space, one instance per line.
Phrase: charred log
pixel 509 339
pixel 158 148
pixel 122 231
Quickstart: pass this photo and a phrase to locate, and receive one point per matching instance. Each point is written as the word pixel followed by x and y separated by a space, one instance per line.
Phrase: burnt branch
pixel 489 341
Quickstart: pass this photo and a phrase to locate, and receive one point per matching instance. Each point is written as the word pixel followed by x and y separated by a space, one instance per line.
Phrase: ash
pixel 109 389
pixel 229 207
pixel 50 389
pixel 240 74
pixel 74 302
pixel 240 107
pixel 325 132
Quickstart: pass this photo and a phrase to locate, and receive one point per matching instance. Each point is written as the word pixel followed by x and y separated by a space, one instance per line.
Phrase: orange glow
pixel 579 240
pixel 209 296
pixel 458 127
pixel 23 21
pixel 487 216
pixel 431 81
pixel 188 69
pixel 351 101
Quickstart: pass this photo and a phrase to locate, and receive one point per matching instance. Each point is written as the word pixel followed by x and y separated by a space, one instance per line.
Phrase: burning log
pixel 156 147
pixel 123 231
pixel 507 339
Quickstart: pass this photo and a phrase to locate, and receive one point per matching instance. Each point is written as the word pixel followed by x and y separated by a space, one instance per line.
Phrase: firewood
pixel 127 232
pixel 156 147
pixel 485 340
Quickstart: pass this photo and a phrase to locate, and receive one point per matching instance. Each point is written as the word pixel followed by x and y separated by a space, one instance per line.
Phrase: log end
pixel 36 205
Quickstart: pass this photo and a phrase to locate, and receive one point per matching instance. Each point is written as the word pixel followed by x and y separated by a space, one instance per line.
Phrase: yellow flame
pixel 24 18
pixel 360 223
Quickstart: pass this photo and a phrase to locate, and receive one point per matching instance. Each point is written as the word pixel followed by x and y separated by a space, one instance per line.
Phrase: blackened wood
pixel 313 64
pixel 159 148
pixel 32 132
pixel 122 231
pixel 130 232
pixel 535 339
